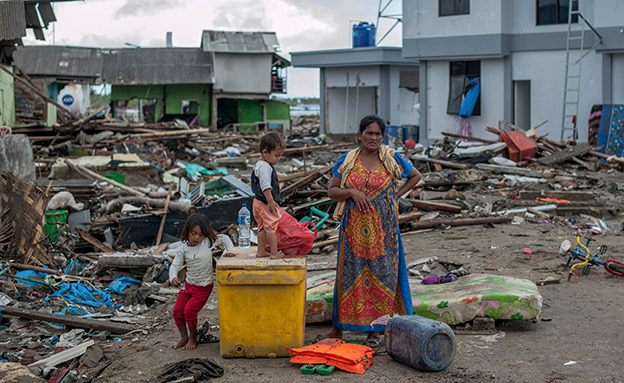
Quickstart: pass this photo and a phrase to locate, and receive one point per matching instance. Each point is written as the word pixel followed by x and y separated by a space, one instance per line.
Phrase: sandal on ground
pixel 374 339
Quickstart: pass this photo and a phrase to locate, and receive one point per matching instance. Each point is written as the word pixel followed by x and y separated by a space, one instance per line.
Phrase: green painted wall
pixel 172 103
pixel 250 111
pixel 200 92
pixel 277 110
pixel 127 92
pixel 7 98
pixel 53 92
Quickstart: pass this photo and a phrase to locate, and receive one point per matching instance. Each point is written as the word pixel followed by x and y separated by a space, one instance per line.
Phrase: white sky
pixel 301 25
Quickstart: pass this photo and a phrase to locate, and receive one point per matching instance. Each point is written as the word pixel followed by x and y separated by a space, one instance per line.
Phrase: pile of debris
pixel 89 239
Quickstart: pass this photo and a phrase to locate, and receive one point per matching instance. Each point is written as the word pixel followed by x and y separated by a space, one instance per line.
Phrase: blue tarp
pixel 470 100
pixel 29 274
pixel 76 292
pixel 119 285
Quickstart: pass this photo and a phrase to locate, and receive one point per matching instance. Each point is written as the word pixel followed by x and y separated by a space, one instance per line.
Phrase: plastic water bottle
pixel 244 230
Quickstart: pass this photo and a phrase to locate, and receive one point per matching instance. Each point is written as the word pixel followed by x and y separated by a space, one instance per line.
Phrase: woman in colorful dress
pixel 371 276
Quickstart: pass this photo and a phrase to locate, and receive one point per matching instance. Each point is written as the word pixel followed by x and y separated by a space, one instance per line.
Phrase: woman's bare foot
pixel 181 343
pixel 335 332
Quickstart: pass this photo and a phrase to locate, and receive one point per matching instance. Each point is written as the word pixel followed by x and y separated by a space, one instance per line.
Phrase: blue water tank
pixel 364 35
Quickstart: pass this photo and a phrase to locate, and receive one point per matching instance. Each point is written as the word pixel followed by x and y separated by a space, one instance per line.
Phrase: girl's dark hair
pixel 271 141
pixel 370 119
pixel 201 221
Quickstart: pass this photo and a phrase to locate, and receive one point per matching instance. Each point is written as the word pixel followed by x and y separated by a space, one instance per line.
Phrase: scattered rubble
pixel 85 245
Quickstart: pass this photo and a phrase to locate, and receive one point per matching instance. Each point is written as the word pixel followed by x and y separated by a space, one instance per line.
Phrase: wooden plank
pixel 67 320
pixel 62 356
pixel 435 206
pixel 92 174
pixel 94 241
pixel 305 181
pixel 21 266
pixel 568 195
pixel 164 217
pixel 460 222
pixel 448 164
pixel 468 138
pixel 566 154
pixel 515 170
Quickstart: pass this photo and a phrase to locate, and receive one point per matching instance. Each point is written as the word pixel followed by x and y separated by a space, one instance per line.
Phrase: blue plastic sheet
pixel 470 100
pixel 29 274
pixel 119 285
pixel 74 311
pixel 76 292
pixel 193 169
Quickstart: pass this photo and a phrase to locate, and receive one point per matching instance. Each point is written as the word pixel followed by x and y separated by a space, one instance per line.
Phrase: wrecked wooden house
pixel 64 74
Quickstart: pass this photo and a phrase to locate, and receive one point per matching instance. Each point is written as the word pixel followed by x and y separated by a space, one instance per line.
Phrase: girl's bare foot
pixel 262 254
pixel 181 343
pixel 278 255
pixel 191 344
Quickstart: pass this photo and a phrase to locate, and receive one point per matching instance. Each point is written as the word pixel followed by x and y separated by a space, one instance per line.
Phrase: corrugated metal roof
pixel 47 13
pixel 12 20
pixel 59 61
pixel 239 42
pixel 145 66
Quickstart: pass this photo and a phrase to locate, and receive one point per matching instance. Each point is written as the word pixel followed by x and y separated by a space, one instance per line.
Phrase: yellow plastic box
pixel 261 305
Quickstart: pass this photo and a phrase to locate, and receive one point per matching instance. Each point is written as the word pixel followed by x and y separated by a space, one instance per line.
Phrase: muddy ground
pixel 580 321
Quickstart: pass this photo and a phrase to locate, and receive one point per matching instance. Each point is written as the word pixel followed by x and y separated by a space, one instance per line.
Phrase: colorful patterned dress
pixel 371 275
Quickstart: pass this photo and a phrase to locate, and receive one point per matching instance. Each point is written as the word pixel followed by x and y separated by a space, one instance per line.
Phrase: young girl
pixel 199 238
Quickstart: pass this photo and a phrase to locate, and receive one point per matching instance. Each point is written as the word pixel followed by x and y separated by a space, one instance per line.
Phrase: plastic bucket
pixel 52 218
pixel 119 178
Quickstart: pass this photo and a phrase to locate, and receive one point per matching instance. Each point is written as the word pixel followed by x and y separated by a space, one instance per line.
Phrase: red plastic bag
pixel 293 237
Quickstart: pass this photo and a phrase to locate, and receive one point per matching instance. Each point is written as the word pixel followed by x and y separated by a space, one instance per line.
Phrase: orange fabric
pixel 263 216
pixel 349 357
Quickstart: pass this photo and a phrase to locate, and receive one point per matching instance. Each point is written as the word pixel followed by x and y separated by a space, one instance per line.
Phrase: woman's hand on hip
pixel 362 202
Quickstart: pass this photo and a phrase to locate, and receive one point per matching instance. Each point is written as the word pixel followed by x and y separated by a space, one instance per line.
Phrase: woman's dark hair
pixel 370 120
pixel 201 221
pixel 271 141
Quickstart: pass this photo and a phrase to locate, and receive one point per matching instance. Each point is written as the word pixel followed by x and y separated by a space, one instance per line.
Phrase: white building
pixel 518 49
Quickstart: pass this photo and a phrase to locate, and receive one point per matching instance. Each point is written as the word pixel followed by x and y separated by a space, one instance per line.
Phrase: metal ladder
pixel 575 52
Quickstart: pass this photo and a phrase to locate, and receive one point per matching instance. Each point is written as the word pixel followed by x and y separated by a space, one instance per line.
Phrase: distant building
pixel 227 80
pixel 517 49
pixel 63 73
pixel 15 17
pixel 514 49
pixel 361 81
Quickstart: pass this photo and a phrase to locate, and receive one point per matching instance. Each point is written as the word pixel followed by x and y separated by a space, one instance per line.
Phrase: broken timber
pixel 91 174
pixel 305 181
pixel 68 320
pixel 434 206
pixel 566 154
pixel 460 222
pixel 116 204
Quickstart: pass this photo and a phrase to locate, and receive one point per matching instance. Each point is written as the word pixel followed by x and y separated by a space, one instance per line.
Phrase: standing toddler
pixel 265 186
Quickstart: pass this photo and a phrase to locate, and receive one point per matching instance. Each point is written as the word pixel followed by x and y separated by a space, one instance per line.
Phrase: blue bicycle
pixel 586 259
